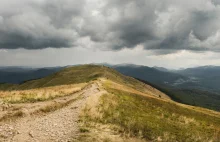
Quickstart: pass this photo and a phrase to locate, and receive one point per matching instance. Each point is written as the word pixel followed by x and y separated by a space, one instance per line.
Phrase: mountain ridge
pixel 93 102
pixel 177 83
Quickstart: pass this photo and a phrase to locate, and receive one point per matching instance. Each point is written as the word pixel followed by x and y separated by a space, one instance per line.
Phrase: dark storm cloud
pixel 168 25
pixel 216 2
pixel 38 24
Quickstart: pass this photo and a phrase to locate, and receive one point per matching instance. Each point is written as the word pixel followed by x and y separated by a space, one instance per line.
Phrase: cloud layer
pixel 165 26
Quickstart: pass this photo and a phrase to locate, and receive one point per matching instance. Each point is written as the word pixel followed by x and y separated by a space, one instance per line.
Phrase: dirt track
pixel 60 125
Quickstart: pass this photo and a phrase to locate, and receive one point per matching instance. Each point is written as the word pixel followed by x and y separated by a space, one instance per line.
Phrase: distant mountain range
pixel 197 86
pixel 20 74
pixel 206 77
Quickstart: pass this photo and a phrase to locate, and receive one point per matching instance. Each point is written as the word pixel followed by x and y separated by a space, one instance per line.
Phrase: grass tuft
pixel 13 115
pixel 83 130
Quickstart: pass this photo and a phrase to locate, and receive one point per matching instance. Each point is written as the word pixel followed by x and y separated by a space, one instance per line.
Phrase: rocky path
pixel 60 125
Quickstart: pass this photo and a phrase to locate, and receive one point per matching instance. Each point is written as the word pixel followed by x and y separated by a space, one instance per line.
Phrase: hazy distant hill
pixel 207 76
pixel 150 74
pixel 195 86
pixel 19 74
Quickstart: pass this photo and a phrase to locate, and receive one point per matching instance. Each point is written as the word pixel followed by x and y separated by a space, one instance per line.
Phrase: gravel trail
pixel 60 125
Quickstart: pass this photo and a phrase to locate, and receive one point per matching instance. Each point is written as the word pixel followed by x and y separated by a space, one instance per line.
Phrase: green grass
pixel 83 130
pixel 151 119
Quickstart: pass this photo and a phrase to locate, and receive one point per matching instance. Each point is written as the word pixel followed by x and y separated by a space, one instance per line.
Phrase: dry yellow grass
pixel 150 93
pixel 40 94
pixel 155 119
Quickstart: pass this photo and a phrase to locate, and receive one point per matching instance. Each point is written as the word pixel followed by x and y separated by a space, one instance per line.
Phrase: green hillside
pixel 153 120
pixel 129 108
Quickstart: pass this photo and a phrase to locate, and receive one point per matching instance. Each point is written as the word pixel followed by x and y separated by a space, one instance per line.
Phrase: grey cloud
pixel 168 25
pixel 165 25
pixel 216 2
pixel 61 12
pixel 38 24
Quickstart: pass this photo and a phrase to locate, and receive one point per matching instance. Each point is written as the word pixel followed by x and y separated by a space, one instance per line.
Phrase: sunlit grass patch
pixel 153 119
pixel 41 94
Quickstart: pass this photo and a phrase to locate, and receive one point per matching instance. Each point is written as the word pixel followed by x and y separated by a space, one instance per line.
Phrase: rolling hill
pixel 206 76
pixel 152 75
pixel 195 86
pixel 97 103
pixel 20 74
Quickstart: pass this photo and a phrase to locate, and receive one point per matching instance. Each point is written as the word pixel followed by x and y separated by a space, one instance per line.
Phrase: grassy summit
pixel 76 75
pixel 32 90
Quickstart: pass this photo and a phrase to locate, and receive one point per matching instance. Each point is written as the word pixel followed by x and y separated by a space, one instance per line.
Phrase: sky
pixel 166 33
